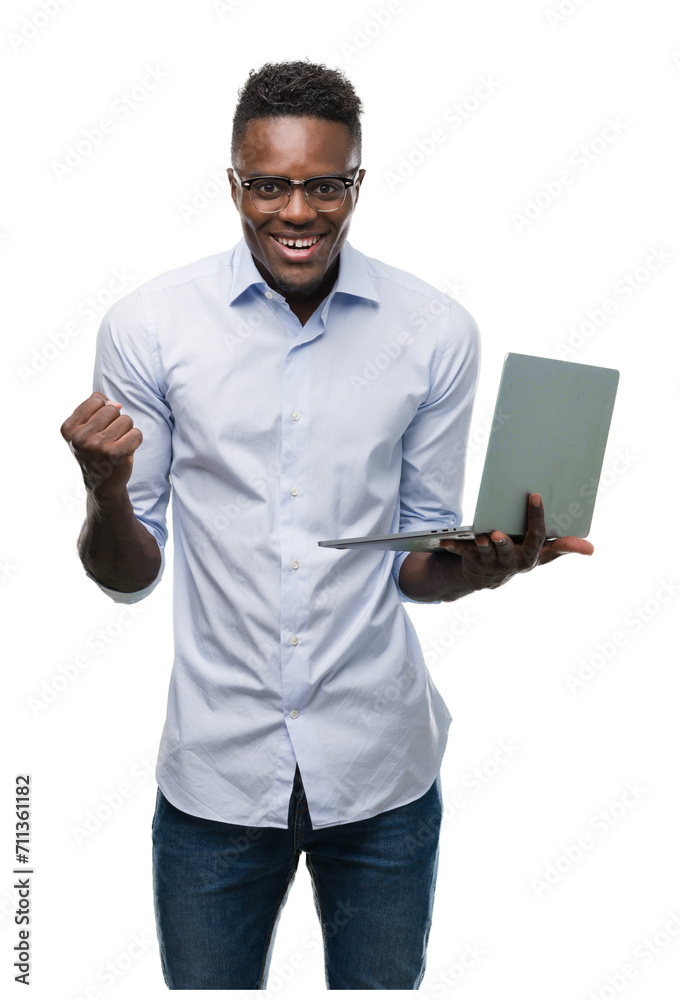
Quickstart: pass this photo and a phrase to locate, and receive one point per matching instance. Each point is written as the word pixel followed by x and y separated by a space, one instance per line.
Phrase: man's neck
pixel 303 305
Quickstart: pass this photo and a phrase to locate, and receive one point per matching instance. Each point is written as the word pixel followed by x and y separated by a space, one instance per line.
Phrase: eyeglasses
pixel 323 194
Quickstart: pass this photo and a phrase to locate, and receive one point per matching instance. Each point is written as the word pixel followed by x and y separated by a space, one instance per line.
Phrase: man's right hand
pixel 103 441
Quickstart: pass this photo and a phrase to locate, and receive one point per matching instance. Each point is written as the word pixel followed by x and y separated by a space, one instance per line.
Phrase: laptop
pixel 548 436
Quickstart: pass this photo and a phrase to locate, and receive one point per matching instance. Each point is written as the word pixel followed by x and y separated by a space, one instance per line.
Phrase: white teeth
pixel 298 244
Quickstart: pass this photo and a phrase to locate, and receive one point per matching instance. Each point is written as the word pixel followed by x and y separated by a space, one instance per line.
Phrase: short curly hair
pixel 298 89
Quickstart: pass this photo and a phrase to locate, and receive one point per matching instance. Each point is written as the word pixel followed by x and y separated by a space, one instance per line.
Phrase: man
pixel 301 716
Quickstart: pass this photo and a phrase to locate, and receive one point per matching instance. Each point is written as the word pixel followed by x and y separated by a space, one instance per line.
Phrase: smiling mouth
pixel 301 243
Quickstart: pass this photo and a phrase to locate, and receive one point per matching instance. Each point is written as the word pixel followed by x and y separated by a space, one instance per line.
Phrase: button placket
pixel 293 519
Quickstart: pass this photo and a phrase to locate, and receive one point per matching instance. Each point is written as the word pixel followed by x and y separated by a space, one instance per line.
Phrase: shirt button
pixel 294 714
pixel 294 640
pixel 295 564
pixel 294 491
pixel 269 295
pixel 295 415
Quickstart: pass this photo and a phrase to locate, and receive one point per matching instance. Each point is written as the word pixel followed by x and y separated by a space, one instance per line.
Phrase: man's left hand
pixel 489 561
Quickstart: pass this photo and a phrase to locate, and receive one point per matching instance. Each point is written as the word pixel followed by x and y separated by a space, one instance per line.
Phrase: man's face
pixel 296 148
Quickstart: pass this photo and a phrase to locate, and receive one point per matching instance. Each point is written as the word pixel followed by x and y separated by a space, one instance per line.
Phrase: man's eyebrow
pixel 328 173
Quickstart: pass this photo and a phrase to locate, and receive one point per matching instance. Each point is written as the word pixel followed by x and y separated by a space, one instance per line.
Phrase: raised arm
pixel 114 546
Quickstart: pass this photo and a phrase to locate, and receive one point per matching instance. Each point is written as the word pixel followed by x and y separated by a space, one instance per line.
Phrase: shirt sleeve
pixel 126 370
pixel 435 443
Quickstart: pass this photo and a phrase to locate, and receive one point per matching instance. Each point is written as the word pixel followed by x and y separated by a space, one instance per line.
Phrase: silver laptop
pixel 548 436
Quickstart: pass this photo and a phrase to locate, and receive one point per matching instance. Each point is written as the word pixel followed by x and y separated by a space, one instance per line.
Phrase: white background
pixel 501 659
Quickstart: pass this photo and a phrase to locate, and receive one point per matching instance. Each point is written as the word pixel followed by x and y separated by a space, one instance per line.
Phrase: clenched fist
pixel 104 441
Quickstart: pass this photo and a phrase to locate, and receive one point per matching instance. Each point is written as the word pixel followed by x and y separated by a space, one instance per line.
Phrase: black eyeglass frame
pixel 347 181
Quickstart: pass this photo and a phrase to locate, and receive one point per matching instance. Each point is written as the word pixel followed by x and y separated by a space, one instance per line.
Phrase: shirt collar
pixel 245 272
pixel 353 277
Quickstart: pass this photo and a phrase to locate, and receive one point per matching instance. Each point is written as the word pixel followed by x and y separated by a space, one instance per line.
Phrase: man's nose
pixel 298 209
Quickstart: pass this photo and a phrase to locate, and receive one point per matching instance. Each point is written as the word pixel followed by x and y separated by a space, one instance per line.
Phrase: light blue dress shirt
pixel 275 435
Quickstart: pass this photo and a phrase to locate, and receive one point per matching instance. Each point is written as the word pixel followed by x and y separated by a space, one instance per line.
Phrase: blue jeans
pixel 219 889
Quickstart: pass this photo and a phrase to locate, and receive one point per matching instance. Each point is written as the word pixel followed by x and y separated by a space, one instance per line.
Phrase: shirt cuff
pixel 131 597
pixel 396 567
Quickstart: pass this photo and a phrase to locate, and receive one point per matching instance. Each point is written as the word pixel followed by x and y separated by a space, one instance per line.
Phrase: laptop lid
pixel 548 436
